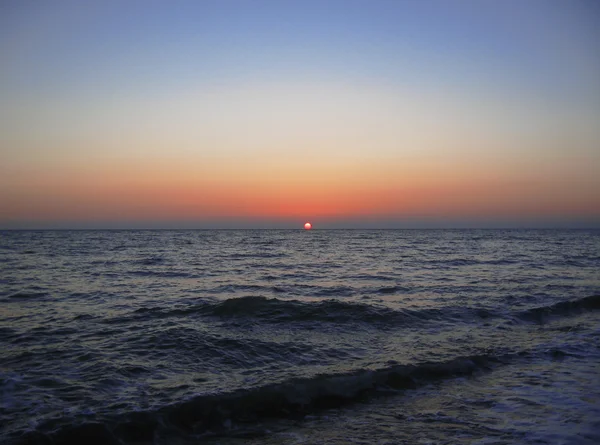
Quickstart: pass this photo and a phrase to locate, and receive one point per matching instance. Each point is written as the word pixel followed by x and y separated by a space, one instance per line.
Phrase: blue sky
pixel 445 103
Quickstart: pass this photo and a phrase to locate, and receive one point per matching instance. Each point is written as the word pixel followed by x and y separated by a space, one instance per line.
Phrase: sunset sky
pixel 350 113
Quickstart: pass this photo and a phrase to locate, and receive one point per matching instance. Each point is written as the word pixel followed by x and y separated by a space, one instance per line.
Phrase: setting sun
pixel 308 226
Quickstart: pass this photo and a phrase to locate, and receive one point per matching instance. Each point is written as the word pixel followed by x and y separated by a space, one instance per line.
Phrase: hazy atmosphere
pixel 270 113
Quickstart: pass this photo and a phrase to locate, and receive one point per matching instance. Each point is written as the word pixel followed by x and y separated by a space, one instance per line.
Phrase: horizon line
pixel 325 229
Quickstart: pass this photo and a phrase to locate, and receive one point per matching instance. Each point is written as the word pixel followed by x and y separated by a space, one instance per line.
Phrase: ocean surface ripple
pixel 285 336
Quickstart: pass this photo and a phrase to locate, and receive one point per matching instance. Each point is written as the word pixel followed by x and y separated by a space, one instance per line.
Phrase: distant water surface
pixel 322 336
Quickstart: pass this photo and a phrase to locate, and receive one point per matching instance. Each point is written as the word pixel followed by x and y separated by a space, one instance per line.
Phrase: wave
pixel 26 296
pixel 187 346
pixel 370 277
pixel 162 274
pixel 151 261
pixel 237 413
pixel 540 314
pixel 253 256
pixel 7 333
pixel 274 310
pixel 298 289
pixel 388 290
pixel 269 310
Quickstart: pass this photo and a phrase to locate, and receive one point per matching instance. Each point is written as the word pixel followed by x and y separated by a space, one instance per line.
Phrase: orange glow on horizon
pixel 217 190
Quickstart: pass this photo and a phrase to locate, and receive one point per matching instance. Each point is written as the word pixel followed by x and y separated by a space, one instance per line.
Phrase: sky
pixel 355 113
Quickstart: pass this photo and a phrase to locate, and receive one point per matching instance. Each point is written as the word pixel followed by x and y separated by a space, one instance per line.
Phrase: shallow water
pixel 300 337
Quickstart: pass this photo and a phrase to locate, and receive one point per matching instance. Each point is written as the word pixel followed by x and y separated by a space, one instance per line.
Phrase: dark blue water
pixel 300 337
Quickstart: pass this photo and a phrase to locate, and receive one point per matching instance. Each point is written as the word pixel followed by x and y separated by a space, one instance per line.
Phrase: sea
pixel 300 337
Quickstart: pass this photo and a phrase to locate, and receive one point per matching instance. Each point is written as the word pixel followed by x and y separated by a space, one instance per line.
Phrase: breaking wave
pixel 237 413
